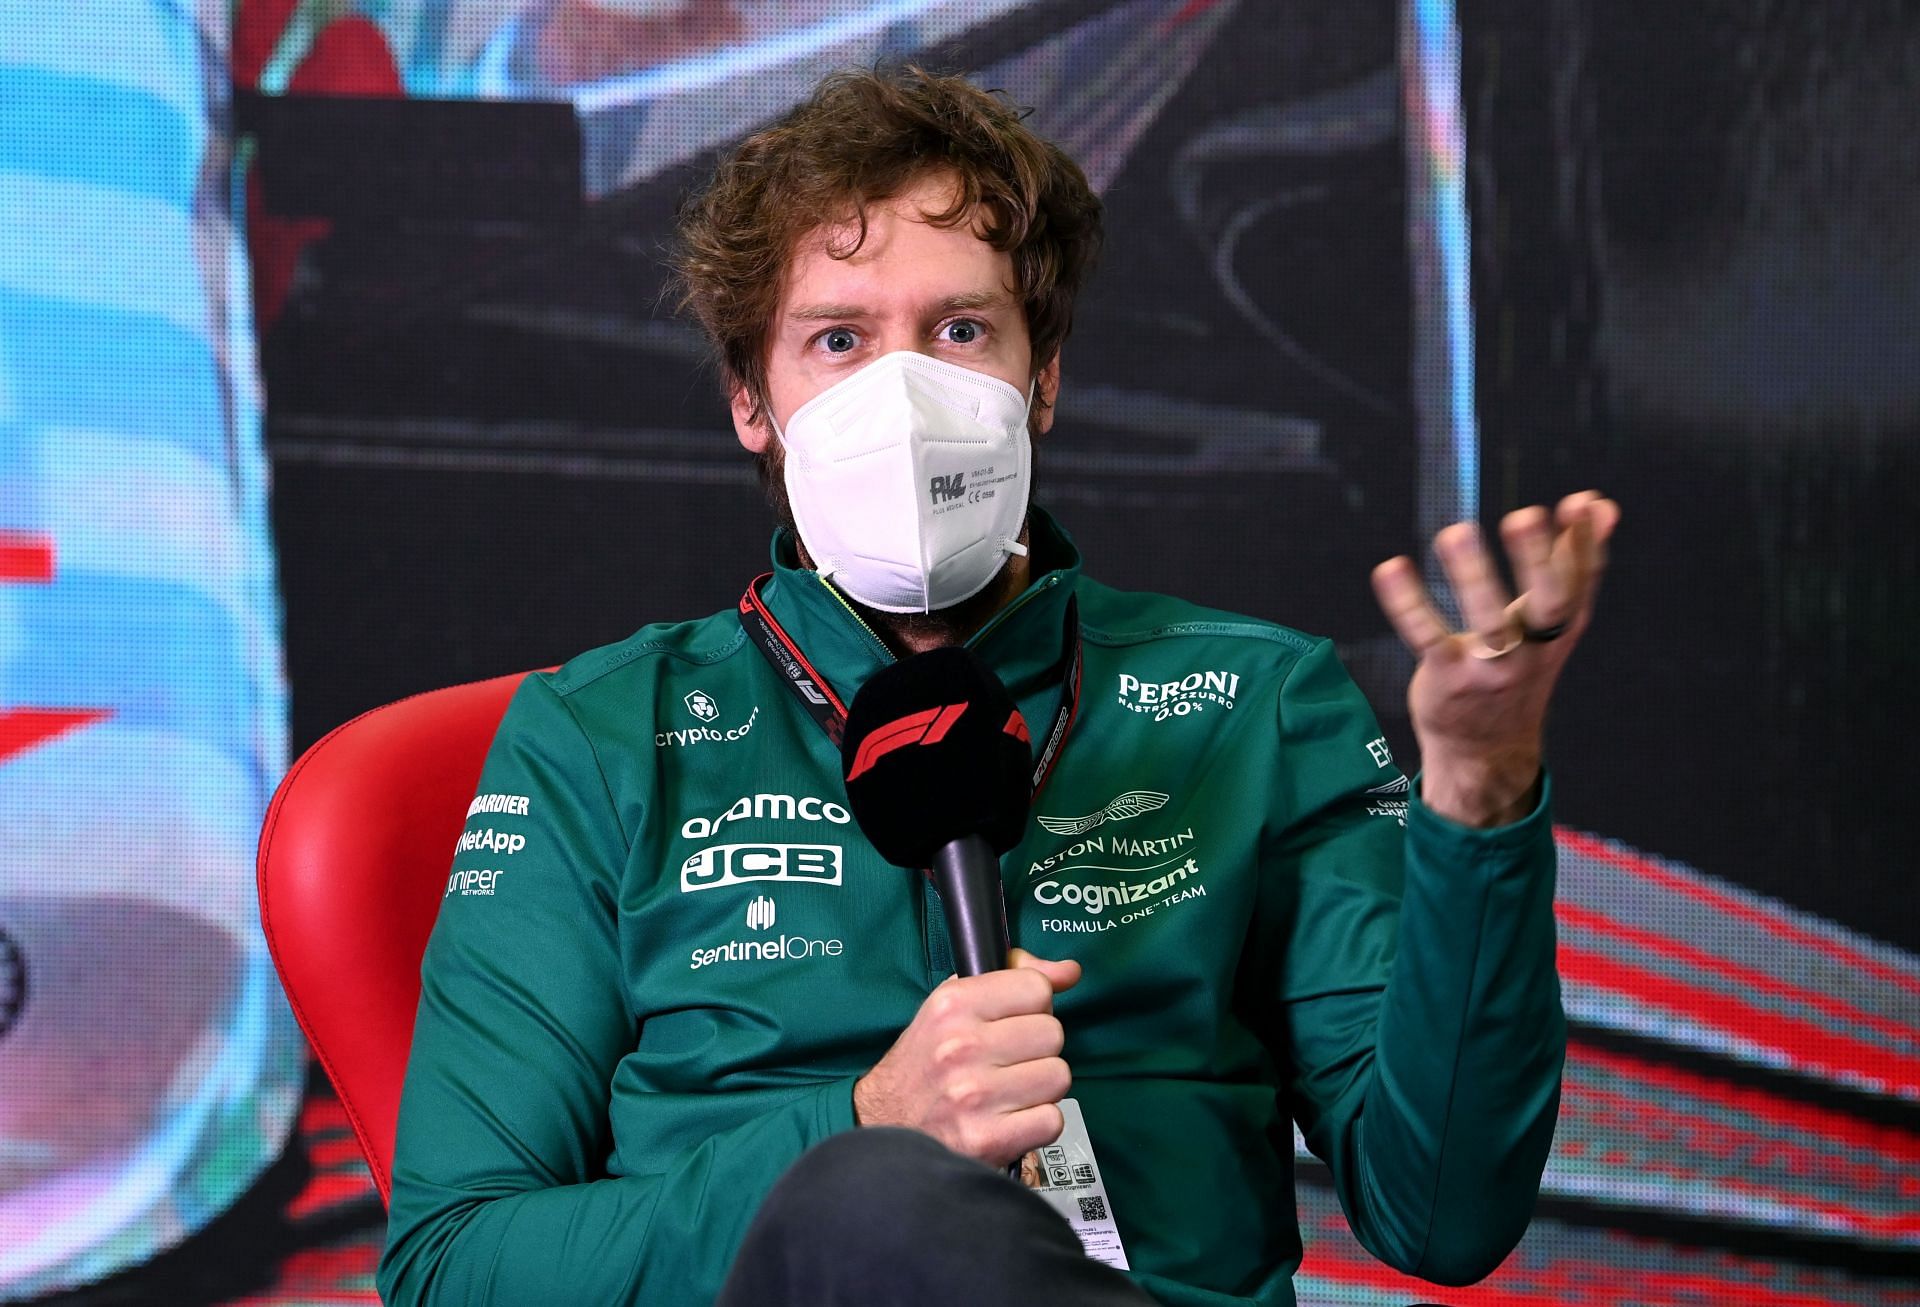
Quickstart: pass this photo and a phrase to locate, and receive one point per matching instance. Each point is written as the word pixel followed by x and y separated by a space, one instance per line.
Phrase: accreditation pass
pixel 1065 1174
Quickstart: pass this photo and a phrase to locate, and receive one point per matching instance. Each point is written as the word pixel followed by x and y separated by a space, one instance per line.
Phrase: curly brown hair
pixel 862 137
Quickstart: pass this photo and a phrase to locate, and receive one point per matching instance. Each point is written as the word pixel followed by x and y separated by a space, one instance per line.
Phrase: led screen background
pixel 149 1070
pixel 492 446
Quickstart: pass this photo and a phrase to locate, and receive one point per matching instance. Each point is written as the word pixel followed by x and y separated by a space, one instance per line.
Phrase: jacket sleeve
pixel 1411 991
pixel 500 1186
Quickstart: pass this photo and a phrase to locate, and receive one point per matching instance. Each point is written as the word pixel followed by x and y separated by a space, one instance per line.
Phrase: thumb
pixel 1063 974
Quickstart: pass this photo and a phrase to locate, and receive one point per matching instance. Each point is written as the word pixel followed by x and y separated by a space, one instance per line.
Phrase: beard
pixel 907 632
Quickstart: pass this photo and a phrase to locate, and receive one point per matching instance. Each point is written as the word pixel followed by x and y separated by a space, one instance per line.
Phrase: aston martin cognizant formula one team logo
pixel 1130 804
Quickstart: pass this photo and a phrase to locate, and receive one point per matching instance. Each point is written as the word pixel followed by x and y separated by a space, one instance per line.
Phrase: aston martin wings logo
pixel 1130 804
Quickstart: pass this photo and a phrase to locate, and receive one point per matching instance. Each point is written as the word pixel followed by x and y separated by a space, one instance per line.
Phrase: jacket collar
pixel 1024 643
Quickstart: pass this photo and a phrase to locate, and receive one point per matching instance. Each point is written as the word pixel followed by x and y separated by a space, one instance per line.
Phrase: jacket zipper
pixel 859 621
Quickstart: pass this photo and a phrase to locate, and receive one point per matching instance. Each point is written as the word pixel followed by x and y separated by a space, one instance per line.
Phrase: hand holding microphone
pixel 979 1068
pixel 939 778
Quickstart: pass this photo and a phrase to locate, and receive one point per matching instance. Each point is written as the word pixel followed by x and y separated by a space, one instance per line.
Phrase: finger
pixel 1396 584
pixel 1575 553
pixel 1546 597
pixel 997 995
pixel 1575 506
pixel 1605 515
pixel 1476 585
pixel 1029 1084
pixel 1019 1132
pixel 1023 1039
pixel 1591 526
pixel 1062 975
pixel 1608 512
pixel 1527 534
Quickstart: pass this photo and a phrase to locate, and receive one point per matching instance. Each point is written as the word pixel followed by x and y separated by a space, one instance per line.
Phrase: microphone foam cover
pixel 934 751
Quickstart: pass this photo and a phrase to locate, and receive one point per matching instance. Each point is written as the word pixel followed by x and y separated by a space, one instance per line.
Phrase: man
pixel 684 968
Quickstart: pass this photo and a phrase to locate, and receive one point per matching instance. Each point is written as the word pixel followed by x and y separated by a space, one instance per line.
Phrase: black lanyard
pixel 824 706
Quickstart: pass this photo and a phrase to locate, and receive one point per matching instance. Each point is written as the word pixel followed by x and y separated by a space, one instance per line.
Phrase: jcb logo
pixel 756 864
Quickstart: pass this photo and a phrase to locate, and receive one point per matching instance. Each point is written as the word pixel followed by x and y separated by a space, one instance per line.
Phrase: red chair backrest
pixel 354 857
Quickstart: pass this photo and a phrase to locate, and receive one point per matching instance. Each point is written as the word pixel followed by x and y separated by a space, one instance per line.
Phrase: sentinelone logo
pixel 782 948
pixel 761 912
pixel 1190 694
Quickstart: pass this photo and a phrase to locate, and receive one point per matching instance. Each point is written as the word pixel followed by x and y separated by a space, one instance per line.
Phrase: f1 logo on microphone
pixel 929 726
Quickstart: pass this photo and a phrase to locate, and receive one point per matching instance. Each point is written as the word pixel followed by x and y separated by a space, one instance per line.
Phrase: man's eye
pixel 963 332
pixel 840 340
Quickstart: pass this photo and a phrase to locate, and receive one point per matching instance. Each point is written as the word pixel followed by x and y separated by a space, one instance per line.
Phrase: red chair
pixel 354 856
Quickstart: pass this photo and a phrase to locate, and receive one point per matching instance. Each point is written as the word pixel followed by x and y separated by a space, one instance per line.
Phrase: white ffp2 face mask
pixel 909 479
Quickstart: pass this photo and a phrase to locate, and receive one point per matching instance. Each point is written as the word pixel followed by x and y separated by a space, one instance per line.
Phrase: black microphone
pixel 939 776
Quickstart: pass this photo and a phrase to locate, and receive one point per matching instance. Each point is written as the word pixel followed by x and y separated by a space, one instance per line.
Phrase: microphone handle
pixel 967 876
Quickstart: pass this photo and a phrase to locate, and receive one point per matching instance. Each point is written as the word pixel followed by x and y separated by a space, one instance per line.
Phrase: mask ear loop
pixel 1012 546
pixel 826 567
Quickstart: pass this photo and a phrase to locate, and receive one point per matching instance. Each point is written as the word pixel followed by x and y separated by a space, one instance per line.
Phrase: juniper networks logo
pixel 1190 694
pixel 474 880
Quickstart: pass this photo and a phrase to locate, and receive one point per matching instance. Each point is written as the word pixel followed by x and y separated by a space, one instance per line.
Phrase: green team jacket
pixel 665 954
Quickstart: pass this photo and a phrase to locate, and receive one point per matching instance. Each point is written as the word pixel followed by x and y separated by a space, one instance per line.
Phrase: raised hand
pixel 1479 697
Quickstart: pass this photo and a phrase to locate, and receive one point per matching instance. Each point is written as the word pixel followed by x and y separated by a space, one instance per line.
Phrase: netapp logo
pixel 767 807
pixel 756 864
pixel 490 841
pixel 1190 694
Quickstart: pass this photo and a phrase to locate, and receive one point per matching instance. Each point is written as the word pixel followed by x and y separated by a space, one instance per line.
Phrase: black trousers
pixel 879 1217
